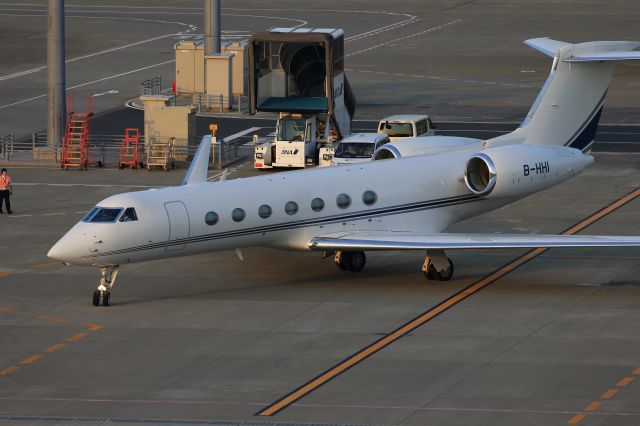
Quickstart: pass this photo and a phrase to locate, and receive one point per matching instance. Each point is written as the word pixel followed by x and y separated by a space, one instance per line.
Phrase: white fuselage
pixel 421 194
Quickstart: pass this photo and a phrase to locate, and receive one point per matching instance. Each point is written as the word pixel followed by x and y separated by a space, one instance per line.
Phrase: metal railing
pixel 106 148
pixel 151 86
pixel 7 146
pixel 218 103
pixel 225 153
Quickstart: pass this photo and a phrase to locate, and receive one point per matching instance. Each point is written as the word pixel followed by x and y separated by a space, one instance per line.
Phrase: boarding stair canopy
pixel 75 145
pixel 300 70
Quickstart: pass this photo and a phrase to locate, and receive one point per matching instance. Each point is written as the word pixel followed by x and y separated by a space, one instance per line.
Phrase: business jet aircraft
pixel 401 204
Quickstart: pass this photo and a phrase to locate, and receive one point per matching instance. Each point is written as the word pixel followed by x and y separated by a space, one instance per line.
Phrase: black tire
pixel 435 275
pixel 343 265
pixel 105 298
pixel 356 261
pixel 96 298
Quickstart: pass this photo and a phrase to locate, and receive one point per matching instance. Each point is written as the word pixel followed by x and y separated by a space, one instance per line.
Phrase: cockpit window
pixel 129 215
pixel 87 217
pixel 106 215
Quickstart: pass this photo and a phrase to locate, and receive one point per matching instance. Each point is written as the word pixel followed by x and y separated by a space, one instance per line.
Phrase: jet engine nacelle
pixel 424 145
pixel 521 169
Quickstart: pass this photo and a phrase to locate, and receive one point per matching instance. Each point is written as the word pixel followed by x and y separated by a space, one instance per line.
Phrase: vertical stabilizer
pixel 567 109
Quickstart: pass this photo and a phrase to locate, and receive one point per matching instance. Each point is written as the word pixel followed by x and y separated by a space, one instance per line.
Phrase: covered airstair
pixel 301 70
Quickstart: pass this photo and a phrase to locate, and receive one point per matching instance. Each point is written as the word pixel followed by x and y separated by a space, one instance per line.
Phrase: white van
pixel 403 126
pixel 358 148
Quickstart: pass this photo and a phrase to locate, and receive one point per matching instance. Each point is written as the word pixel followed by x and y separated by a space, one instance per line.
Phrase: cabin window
pixel 129 215
pixel 106 215
pixel 238 215
pixel 343 201
pixel 369 197
pixel 317 204
pixel 211 218
pixel 291 208
pixel 264 211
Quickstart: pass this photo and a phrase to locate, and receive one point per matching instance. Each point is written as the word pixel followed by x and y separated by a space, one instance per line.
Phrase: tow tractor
pixel 294 144
pixel 298 73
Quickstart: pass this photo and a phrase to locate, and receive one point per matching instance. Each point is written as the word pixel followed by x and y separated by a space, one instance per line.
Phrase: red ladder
pixel 75 146
pixel 130 149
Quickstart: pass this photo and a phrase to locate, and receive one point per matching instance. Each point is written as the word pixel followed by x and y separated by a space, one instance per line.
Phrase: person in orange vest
pixel 5 191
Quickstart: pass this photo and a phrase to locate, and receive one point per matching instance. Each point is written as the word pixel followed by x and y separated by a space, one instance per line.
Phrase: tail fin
pixel 567 109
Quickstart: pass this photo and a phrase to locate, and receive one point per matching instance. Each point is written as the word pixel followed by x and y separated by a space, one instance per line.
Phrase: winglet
pixel 200 164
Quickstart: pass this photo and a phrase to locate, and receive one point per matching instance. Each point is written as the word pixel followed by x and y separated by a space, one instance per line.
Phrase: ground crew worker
pixel 5 191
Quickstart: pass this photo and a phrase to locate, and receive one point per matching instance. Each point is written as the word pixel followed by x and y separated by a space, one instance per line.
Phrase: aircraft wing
pixel 390 240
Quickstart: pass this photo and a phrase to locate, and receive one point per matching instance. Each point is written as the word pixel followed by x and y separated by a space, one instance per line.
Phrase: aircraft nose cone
pixel 60 251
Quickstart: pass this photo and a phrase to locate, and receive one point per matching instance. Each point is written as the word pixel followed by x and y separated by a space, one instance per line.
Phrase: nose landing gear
pixel 108 276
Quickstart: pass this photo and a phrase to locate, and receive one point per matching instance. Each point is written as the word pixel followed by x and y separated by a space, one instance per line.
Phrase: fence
pixel 7 145
pixel 106 148
pixel 152 86
pixel 218 103
pixel 10 147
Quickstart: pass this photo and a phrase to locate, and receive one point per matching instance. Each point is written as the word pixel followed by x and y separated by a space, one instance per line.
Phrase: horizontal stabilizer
pixel 586 52
pixel 605 56
pixel 546 45
pixel 388 240
pixel 200 164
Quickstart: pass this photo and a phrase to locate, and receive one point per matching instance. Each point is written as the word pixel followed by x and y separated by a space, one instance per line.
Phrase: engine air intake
pixel 480 174
pixel 386 152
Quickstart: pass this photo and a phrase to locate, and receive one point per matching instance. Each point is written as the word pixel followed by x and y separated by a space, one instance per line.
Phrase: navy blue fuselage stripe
pixel 404 208
pixel 587 136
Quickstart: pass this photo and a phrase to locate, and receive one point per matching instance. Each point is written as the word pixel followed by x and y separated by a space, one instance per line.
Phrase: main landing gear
pixel 437 266
pixel 353 261
pixel 108 276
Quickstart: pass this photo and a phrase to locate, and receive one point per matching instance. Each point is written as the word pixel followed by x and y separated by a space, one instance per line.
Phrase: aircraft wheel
pixel 105 298
pixel 356 261
pixel 342 263
pixel 96 298
pixel 435 275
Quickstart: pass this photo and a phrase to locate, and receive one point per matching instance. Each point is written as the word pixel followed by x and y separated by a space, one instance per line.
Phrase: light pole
pixel 56 73
pixel 212 27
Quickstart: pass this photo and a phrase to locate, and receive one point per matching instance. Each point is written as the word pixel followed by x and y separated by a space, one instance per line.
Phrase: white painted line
pixel 109 92
pixel 53 214
pixel 20 73
pixel 92 82
pixel 98 53
pixel 13 216
pixel 242 133
pixel 22 101
pixel 433 77
pixel 429 30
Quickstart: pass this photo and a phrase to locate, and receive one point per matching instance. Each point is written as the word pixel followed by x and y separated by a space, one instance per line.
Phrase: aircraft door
pixel 178 224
